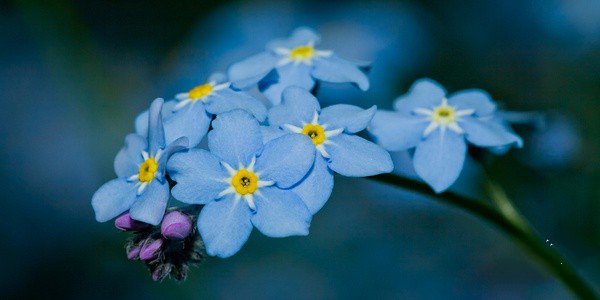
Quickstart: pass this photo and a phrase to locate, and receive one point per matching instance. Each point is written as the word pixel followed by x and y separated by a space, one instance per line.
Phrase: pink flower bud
pixel 134 253
pixel 176 225
pixel 150 249
pixel 126 223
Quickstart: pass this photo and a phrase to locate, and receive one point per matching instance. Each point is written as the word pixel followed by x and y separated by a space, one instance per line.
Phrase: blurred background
pixel 74 74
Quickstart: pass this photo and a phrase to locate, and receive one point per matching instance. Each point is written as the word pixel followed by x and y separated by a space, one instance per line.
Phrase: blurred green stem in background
pixel 505 217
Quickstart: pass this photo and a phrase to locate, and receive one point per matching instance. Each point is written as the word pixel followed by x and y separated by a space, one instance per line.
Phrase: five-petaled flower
pixel 295 62
pixel 141 186
pixel 439 127
pixel 190 113
pixel 332 132
pixel 243 183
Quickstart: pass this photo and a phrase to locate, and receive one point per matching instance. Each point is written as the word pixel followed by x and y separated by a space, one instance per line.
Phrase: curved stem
pixel 507 219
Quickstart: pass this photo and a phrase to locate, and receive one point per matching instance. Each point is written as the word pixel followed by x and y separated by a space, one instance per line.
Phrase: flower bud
pixel 176 225
pixel 126 223
pixel 161 271
pixel 150 249
pixel 134 253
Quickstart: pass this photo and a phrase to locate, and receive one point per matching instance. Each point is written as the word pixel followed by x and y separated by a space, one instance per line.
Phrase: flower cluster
pixel 273 169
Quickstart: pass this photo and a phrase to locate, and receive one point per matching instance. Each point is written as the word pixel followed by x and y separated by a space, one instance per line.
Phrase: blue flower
pixel 332 132
pixel 295 62
pixel 190 114
pixel 243 183
pixel 141 186
pixel 439 129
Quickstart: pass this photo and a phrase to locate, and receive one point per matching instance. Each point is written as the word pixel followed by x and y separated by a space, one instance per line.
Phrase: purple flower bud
pixel 150 249
pixel 126 223
pixel 134 253
pixel 176 225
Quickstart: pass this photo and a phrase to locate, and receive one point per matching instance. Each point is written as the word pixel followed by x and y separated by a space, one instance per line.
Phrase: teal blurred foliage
pixel 74 74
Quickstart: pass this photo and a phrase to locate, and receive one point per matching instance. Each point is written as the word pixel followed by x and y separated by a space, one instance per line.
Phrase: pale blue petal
pixel 356 157
pixel 113 198
pixel 424 93
pixel 217 78
pixel 235 138
pixel 487 133
pixel 315 189
pixel 338 70
pixel 129 158
pixel 251 70
pixel 225 226
pixel 199 176
pixel 227 99
pixel 298 107
pixel 280 213
pixel 286 160
pixel 141 121
pixel 178 145
pixel 288 75
pixel 191 121
pixel 397 132
pixel 156 134
pixel 270 133
pixel 152 203
pixel 300 36
pixel 476 99
pixel 352 118
pixel 439 159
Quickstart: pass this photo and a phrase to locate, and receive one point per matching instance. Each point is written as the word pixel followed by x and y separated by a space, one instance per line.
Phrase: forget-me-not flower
pixel 295 62
pixel 243 183
pixel 190 113
pixel 439 127
pixel 141 186
pixel 332 132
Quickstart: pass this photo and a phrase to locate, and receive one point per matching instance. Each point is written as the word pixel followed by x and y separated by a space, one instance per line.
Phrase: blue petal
pixel 288 75
pixel 191 121
pixel 130 156
pixel 235 138
pixel 424 93
pixel 251 70
pixel 315 189
pixel 476 99
pixel 397 132
pixel 352 118
pixel 356 157
pixel 152 203
pixel 299 106
pixel 113 198
pixel 178 145
pixel 141 121
pixel 487 133
pixel 199 176
pixel 339 70
pixel 217 77
pixel 270 133
pixel 280 213
pixel 156 134
pixel 300 37
pixel 227 99
pixel 225 226
pixel 286 160
pixel 439 159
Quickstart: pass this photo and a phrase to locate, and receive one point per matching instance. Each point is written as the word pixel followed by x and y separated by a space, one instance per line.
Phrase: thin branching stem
pixel 506 218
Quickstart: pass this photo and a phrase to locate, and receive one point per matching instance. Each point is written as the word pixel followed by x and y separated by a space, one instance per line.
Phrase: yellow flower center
pixel 147 170
pixel 315 132
pixel 245 182
pixel 444 114
pixel 302 52
pixel 200 91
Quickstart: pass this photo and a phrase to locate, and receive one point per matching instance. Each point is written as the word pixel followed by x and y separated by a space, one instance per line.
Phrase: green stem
pixel 507 219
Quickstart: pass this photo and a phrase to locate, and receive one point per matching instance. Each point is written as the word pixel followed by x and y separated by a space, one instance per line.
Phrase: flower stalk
pixel 506 218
